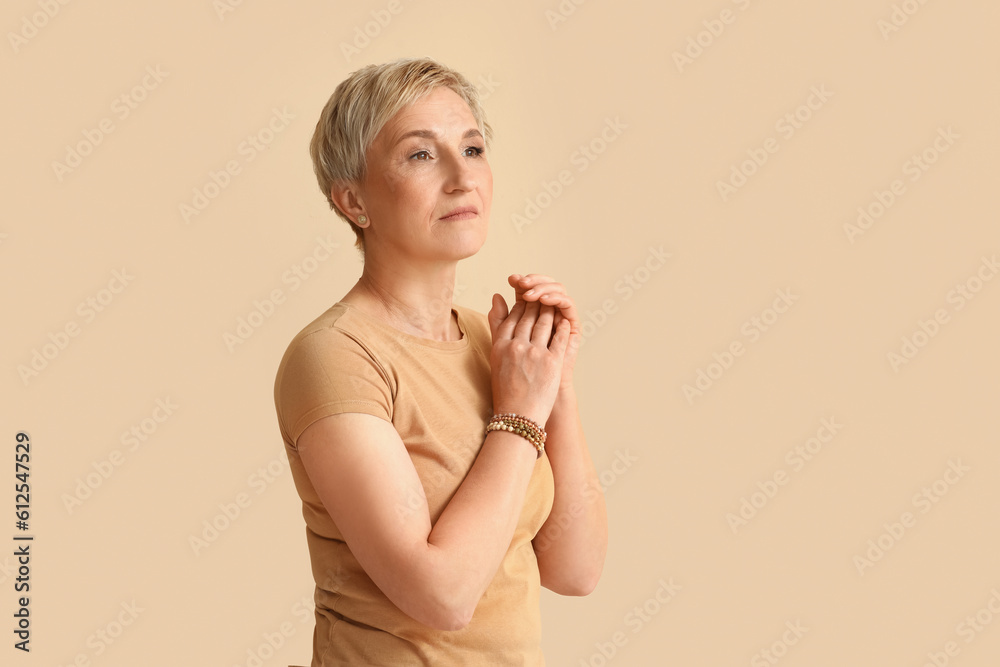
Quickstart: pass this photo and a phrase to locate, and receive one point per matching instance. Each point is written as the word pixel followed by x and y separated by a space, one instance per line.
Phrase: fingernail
pixel 531 291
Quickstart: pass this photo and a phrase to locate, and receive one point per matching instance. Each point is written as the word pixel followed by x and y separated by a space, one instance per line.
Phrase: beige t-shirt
pixel 437 395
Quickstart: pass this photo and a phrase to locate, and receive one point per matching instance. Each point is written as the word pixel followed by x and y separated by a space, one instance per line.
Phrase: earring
pixel 362 219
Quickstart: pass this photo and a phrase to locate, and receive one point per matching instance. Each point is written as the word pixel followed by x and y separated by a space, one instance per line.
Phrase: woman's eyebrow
pixel 430 134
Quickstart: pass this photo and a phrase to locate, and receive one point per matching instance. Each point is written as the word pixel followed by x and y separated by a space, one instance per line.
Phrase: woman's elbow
pixel 445 615
pixel 582 586
pixel 440 604
pixel 456 619
pixel 576 584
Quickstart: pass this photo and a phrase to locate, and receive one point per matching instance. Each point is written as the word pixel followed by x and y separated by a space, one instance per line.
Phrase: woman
pixel 438 452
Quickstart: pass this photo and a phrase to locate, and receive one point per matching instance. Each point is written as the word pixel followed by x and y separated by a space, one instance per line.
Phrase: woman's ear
pixel 347 197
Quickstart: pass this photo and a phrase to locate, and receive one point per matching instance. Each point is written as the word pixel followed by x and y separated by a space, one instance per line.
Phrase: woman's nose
pixel 460 175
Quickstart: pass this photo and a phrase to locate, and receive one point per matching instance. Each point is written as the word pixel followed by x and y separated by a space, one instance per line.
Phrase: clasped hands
pixel 535 344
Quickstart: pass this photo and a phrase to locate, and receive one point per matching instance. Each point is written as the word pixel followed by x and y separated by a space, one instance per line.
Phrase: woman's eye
pixel 471 151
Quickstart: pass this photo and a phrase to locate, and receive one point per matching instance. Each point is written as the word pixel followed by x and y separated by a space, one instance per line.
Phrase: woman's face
pixel 426 162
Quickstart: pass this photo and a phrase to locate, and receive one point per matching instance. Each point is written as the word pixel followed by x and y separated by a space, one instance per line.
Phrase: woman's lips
pixel 463 213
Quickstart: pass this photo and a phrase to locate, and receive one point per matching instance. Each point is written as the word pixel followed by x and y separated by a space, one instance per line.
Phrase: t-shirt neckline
pixel 459 344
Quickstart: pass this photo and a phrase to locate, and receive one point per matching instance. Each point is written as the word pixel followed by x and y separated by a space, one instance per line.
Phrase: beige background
pixel 682 465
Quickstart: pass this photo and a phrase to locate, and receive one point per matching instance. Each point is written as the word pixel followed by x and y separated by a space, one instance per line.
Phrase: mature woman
pixel 438 452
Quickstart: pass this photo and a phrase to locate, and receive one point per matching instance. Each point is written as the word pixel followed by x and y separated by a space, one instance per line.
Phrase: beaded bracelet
pixel 519 419
pixel 522 426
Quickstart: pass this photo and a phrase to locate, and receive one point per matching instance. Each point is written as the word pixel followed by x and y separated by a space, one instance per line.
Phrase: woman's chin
pixel 464 245
pixel 466 250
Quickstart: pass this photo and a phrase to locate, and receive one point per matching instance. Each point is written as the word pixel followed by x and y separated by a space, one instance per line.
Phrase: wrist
pixel 520 425
pixel 566 394
pixel 532 413
pixel 566 381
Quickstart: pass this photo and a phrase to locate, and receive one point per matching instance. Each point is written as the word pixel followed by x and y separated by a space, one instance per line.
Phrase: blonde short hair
pixel 360 107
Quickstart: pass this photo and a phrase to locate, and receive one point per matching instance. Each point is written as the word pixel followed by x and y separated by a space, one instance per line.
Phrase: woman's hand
pixel 527 358
pixel 535 287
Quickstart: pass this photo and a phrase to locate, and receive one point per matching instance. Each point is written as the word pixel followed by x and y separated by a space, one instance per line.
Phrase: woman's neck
pixel 418 303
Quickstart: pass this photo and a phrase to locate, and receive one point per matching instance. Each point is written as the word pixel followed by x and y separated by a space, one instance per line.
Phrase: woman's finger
pixel 506 329
pixel 498 313
pixel 532 282
pixel 538 288
pixel 526 323
pixel 560 340
pixel 533 279
pixel 542 330
pixel 521 283
pixel 560 300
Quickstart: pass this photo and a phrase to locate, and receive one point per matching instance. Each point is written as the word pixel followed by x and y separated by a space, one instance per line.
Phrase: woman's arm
pixel 573 541
pixel 366 480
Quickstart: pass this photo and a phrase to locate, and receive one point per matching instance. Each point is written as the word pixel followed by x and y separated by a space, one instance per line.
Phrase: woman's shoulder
pixel 326 320
pixel 335 331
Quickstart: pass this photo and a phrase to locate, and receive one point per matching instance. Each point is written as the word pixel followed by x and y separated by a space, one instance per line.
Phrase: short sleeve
pixel 327 372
